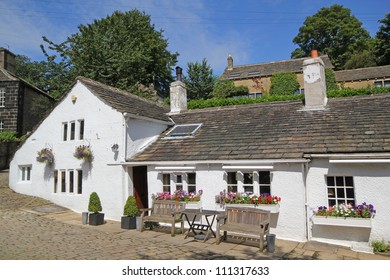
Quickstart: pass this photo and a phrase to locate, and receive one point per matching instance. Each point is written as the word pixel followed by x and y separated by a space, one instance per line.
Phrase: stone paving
pixel 35 229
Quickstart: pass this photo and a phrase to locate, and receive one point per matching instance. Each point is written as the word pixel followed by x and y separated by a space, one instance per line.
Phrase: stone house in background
pixel 257 77
pixel 22 105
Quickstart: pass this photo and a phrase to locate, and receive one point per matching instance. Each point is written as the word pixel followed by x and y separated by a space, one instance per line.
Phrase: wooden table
pixel 194 218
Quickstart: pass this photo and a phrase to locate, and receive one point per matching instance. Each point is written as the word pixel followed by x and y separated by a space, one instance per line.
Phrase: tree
pixel 382 44
pixel 332 31
pixel 50 76
pixel 122 50
pixel 226 88
pixel 284 84
pixel 200 80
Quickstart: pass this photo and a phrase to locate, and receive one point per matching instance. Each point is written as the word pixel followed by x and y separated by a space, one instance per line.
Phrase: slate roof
pixel 378 72
pixel 126 102
pixel 269 68
pixel 279 130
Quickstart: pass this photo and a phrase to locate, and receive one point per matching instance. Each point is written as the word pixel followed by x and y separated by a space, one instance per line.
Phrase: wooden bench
pixel 245 220
pixel 164 211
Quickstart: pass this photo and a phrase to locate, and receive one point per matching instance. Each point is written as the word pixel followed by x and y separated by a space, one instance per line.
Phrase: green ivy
pixel 283 84
pixel 9 136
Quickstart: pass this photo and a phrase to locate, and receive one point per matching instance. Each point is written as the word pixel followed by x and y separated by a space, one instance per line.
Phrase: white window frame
pixel 25 173
pixel 175 184
pixel 77 133
pixel 2 97
pixel 257 186
pixel 64 186
pixel 342 186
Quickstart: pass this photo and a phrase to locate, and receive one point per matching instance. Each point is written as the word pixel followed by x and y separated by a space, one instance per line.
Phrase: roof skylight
pixel 183 130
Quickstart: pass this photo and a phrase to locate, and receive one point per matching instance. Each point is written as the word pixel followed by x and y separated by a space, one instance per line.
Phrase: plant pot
pixel 84 218
pixel 96 219
pixel 342 222
pixel 128 222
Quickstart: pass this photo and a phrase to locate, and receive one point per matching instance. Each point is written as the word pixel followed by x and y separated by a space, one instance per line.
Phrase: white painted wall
pixel 287 182
pixel 104 127
pixel 372 185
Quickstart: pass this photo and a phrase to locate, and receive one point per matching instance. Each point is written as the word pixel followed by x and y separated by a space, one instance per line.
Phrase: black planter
pixel 96 219
pixel 128 222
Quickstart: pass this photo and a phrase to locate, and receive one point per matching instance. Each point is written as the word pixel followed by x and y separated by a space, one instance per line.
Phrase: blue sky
pixel 252 31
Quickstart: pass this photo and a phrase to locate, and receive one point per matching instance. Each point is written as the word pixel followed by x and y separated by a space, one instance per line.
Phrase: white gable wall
pixel 104 127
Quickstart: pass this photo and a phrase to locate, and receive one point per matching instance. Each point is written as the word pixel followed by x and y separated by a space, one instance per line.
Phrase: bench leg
pixel 261 245
pixel 173 229
pixel 182 227
pixel 225 235
pixel 141 229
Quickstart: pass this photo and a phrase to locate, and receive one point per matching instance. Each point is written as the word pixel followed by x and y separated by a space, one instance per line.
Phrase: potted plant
pixel 83 152
pixel 130 212
pixel 94 206
pixel 46 156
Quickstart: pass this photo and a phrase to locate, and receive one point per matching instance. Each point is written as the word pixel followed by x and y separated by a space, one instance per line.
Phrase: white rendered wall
pixel 371 184
pixel 286 182
pixel 104 127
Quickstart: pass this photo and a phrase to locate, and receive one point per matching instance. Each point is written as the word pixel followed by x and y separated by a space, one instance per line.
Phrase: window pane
pixel 63 181
pixel 264 177
pixel 330 181
pixel 232 188
pixel 339 181
pixel 23 173
pixel 232 177
pixel 350 193
pixel 248 178
pixel 79 181
pixel 166 179
pixel 81 131
pixel 179 179
pixel 55 180
pixel 378 84
pixel 340 193
pixel 191 178
pixel 265 190
pixel 71 178
pixel 387 83
pixel 332 202
pixel 65 131
pixel 72 130
pixel 248 189
pixel 349 181
pixel 331 192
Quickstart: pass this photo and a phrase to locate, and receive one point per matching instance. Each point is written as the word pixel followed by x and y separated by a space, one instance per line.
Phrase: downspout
pixel 305 171
pixel 125 183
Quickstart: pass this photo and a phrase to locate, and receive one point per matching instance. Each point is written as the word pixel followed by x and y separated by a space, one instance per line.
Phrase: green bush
pixel 8 136
pixel 330 78
pixel 131 208
pixel 94 203
pixel 380 246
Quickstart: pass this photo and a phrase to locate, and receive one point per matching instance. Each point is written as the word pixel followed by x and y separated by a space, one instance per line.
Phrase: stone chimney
pixel 230 62
pixel 7 60
pixel 178 93
pixel 314 83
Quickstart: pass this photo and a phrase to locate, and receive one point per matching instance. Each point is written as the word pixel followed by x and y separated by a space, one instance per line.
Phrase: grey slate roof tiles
pixel 269 68
pixel 280 130
pixel 378 72
pixel 125 102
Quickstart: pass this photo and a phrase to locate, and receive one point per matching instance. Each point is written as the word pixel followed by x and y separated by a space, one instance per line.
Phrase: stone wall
pixel 7 151
pixel 9 113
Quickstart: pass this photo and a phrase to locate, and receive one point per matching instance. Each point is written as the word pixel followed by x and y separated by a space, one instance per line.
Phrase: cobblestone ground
pixel 30 236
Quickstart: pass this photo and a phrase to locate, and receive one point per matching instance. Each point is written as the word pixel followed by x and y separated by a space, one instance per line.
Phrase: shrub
pixel 380 246
pixel 94 203
pixel 8 136
pixel 131 208
pixel 284 84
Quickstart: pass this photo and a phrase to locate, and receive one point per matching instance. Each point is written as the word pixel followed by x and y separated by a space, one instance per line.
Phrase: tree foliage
pixel 330 79
pixel 200 80
pixel 382 44
pixel 332 31
pixel 284 84
pixel 48 75
pixel 122 50
pixel 226 88
pixel 94 204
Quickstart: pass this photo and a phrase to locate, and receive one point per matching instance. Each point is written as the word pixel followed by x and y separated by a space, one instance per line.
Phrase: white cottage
pixel 320 153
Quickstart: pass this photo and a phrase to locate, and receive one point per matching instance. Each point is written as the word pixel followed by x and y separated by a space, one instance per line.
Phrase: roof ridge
pixel 278 61
pixel 118 90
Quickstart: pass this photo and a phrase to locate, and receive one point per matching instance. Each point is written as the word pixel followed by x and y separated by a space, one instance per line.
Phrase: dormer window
pixel 183 130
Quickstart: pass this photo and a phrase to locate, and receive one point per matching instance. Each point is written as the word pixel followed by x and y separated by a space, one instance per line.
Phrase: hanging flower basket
pixel 83 152
pixel 45 156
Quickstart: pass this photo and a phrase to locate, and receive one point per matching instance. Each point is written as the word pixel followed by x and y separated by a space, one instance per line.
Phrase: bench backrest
pixel 247 215
pixel 167 207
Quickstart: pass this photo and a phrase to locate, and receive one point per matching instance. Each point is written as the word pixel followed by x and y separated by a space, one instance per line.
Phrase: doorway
pixel 140 181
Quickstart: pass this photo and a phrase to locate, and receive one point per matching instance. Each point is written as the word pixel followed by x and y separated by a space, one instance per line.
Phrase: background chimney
pixel 314 83
pixel 178 93
pixel 230 62
pixel 7 60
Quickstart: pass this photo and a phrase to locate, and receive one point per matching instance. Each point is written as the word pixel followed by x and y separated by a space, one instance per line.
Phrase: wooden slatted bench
pixel 164 211
pixel 245 220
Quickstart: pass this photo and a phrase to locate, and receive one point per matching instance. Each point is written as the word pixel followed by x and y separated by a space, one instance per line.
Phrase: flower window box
pixel 342 221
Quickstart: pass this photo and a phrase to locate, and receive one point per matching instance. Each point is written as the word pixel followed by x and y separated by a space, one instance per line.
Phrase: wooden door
pixel 140 180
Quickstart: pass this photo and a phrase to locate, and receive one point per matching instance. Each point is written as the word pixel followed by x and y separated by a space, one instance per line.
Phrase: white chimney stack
pixel 314 83
pixel 178 93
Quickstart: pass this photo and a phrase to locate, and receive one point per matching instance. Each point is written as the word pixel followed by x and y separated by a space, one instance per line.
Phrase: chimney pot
pixel 179 73
pixel 314 53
